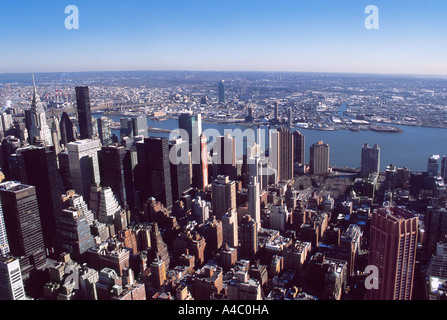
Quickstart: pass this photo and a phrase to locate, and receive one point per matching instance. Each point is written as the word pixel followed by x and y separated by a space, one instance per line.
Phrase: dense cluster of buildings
pixel 90 216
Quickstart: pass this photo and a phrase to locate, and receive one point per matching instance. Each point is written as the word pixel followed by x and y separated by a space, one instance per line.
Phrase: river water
pixel 410 148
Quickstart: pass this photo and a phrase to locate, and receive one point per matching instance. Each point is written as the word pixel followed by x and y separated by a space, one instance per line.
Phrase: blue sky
pixel 224 35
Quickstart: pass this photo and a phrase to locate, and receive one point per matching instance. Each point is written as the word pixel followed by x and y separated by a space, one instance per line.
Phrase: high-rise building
pixel 200 173
pixel 433 166
pixel 139 126
pixel 73 231
pixel 116 173
pixel 224 196
pixel 230 229
pixel 222 92
pixel 104 130
pixel 444 168
pixel 84 165
pixel 67 130
pixel 192 124
pixel 319 158
pixel 276 111
pixel 23 226
pixel 84 113
pixel 8 147
pixel 200 210
pixel 74 200
pixel 4 244
pixel 281 152
pixel 435 226
pixel 180 173
pixel 254 201
pixel 37 166
pixel 248 237
pixel 11 282
pixel 299 148
pixel 370 160
pixel 224 157
pixel 393 244
pixel 39 130
pixel 153 172
pixel 279 217
pixel 56 135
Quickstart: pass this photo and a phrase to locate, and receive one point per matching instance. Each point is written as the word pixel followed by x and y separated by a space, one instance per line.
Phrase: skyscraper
pixel 180 173
pixel 248 237
pixel 224 196
pixel 254 201
pixel 84 165
pixel 23 226
pixel 153 172
pixel 319 158
pixel 224 157
pixel 299 148
pixel 39 130
pixel 139 126
pixel 4 244
pixel 393 244
pixel 230 229
pixel 281 152
pixel 104 130
pixel 200 171
pixel 192 124
pixel 11 282
pixel 116 173
pixel 84 113
pixel 222 93
pixel 370 160
pixel 8 147
pixel 67 130
pixel 74 233
pixel 38 167
pixel 433 166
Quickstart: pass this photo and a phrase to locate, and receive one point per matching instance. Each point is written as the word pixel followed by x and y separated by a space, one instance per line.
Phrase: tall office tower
pixel 11 282
pixel 393 244
pixel 8 147
pixel 158 247
pixel 126 128
pixel 281 153
pixel 248 237
pixel 4 244
pixel 224 196
pixel 39 130
pixel 435 226
pixel 230 229
pixel 370 160
pixel 290 118
pixel 319 158
pixel 224 157
pixel 116 173
pixel 444 168
pixel 390 177
pixel 73 231
pixel 180 173
pixel 192 124
pixel 433 166
pixel 37 166
pixel 200 173
pixel 222 92
pixel 56 135
pixel 84 113
pixel 153 172
pixel 254 201
pixel 7 123
pixel 64 169
pixel 67 130
pixel 105 130
pixel 23 226
pixel 139 127
pixel 276 111
pixel 299 148
pixel 84 165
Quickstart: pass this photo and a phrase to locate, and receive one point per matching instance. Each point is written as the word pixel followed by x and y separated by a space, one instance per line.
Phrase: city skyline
pixel 199 35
